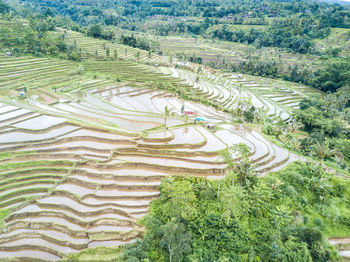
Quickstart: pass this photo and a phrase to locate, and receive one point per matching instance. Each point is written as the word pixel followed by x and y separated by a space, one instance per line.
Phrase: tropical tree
pixel 176 240
pixel 323 149
pixel 115 54
pixel 138 54
pixel 166 114
pixel 95 31
pixel 4 8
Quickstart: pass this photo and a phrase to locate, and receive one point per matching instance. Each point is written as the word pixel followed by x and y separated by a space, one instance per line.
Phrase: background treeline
pixel 36 37
pixel 334 75
pixel 292 25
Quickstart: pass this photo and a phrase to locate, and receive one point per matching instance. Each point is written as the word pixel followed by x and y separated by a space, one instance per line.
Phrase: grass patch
pixel 34 163
pixel 3 214
pixel 7 155
pixel 95 254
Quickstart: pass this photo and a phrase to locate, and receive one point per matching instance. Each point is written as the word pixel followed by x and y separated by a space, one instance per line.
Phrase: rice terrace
pixel 125 137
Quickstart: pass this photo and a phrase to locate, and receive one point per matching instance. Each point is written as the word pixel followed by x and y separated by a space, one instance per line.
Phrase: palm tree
pixel 324 150
pixel 296 144
pixel 294 125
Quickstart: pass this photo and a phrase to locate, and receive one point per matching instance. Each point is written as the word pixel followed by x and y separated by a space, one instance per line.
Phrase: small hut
pixel 189 113
pixel 210 126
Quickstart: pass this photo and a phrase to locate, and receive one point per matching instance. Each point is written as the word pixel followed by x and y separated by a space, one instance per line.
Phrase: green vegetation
pixel 36 38
pixel 94 254
pixel 283 217
pixel 45 163
pixel 4 8
pixel 325 122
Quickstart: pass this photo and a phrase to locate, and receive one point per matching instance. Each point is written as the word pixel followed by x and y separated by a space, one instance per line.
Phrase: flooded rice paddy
pixel 79 173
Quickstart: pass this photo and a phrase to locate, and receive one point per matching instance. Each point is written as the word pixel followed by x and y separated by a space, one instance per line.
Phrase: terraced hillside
pixel 274 98
pixel 97 49
pixel 84 146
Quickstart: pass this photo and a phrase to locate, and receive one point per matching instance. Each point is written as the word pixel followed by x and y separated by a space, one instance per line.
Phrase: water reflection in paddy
pixel 63 201
pixel 13 114
pixel 122 202
pixel 40 122
pixel 29 253
pixel 111 228
pixel 113 181
pixel 55 220
pixel 52 233
pixel 77 190
pixel 17 136
pixel 40 242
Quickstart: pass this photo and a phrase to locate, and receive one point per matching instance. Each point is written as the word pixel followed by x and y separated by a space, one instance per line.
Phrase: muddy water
pixel 13 114
pixel 344 253
pixel 230 138
pixel 47 185
pixel 213 143
pixel 120 122
pixel 40 122
pixel 139 215
pixel 93 154
pixel 87 219
pixel 77 190
pixel 29 253
pixel 214 159
pixel 112 243
pixel 40 242
pixel 55 220
pixel 131 210
pixel 52 233
pixel 186 135
pixel 146 100
pixel 95 133
pixel 116 193
pixel 109 228
pixel 131 203
pixel 128 171
pixel 337 241
pixel 7 108
pixel 91 100
pixel 168 162
pixel 24 137
pixel 160 135
pixel 78 143
pixel 28 208
pixel 112 181
pixel 63 201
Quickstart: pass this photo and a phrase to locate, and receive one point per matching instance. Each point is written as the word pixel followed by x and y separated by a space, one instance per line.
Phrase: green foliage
pixel 326 121
pixel 333 77
pixel 37 38
pixel 95 31
pixel 295 33
pixel 267 221
pixel 4 8
pixel 3 214
pixel 176 240
pixel 142 43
